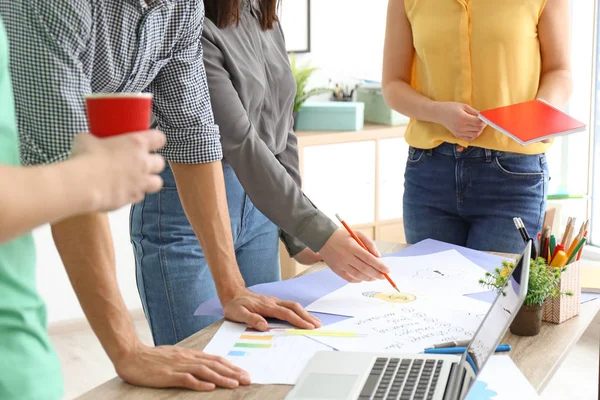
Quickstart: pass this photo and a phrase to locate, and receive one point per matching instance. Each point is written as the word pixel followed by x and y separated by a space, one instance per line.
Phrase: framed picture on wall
pixel 294 16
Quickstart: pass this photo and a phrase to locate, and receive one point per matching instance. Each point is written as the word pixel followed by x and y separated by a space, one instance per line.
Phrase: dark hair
pixel 225 13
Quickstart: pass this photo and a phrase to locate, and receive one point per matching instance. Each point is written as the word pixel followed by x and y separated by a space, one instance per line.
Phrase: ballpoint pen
pixel 520 229
pixel 502 348
pixel 456 343
pixel 351 232
pixel 525 235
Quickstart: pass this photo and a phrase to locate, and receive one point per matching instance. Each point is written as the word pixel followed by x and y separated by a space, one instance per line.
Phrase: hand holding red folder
pixel 461 120
pixel 532 121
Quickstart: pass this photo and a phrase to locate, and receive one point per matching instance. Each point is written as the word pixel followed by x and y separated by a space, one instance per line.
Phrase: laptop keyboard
pixel 402 379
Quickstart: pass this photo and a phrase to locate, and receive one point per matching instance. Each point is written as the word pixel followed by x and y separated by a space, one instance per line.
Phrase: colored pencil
pixel 351 232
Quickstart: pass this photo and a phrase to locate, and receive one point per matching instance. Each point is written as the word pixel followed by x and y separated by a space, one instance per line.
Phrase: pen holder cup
pixel 559 309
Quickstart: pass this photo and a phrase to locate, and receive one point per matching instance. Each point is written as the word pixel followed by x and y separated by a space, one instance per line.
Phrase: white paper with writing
pixel 410 328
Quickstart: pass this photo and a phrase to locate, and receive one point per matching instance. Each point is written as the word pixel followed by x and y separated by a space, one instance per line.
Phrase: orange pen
pixel 365 247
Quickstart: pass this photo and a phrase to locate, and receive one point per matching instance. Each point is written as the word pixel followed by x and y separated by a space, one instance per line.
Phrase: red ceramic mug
pixel 111 114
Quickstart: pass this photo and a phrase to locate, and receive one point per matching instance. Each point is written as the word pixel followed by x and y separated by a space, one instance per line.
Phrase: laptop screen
pixel 500 315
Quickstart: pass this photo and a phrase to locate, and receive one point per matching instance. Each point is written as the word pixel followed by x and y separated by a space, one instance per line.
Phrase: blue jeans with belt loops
pixel 469 196
pixel 173 277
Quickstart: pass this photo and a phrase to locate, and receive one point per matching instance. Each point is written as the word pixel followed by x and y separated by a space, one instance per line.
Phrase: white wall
pixel 54 285
pixel 347 39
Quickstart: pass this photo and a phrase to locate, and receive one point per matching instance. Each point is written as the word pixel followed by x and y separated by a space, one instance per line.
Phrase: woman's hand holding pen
pixel 460 119
pixel 350 261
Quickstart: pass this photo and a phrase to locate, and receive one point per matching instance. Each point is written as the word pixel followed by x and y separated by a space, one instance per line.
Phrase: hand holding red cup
pixel 120 154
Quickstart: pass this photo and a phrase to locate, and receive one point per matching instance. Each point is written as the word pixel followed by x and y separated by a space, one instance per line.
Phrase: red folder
pixel 531 121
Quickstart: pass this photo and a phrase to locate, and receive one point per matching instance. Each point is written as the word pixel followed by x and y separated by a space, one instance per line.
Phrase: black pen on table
pixel 521 230
pixel 525 235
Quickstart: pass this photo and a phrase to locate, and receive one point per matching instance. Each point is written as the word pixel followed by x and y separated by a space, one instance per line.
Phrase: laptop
pixel 336 375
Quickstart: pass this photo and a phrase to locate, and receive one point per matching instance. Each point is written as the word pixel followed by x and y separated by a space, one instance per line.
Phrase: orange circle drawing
pixel 392 297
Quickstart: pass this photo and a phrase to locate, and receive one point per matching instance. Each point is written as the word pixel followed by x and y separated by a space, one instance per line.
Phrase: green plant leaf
pixel 544 281
pixel 302 75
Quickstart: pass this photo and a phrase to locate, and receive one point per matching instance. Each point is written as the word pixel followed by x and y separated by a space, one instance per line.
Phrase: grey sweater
pixel 252 91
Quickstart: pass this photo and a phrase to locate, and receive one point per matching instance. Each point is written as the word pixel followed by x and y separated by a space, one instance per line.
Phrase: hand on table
pixel 170 366
pixel 350 261
pixel 308 257
pixel 461 120
pixel 251 308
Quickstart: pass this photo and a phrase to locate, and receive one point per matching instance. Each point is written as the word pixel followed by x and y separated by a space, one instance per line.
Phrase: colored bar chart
pixel 251 340
pixel 256 337
pixel 253 345
pixel 265 356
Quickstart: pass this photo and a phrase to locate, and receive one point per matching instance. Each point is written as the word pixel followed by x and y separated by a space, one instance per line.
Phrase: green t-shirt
pixel 29 368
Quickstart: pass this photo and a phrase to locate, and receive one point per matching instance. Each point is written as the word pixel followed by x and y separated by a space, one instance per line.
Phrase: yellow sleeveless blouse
pixel 484 53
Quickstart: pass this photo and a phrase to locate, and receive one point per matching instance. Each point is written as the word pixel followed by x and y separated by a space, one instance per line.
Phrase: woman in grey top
pixel 252 92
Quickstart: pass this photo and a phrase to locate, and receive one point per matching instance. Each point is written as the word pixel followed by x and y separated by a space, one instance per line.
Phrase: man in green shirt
pixel 101 175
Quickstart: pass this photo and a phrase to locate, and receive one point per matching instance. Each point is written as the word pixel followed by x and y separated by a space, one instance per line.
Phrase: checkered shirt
pixel 64 49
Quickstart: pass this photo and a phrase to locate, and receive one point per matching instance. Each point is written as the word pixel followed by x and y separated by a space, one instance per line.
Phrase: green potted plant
pixel 301 75
pixel 544 283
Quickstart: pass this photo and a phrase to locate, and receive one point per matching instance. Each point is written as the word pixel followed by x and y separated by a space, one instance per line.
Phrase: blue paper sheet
pixel 430 246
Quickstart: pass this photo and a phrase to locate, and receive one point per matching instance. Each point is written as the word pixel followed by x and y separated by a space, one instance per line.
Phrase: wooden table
pixel 537 357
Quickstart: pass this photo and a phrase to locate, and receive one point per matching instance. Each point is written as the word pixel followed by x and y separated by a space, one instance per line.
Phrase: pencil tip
pixel 338 217
pixel 397 290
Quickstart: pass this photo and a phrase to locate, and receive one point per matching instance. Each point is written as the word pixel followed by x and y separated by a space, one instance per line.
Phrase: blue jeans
pixel 173 277
pixel 470 197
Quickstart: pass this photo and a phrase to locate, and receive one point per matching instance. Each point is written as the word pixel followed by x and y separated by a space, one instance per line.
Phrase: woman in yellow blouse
pixel 445 61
